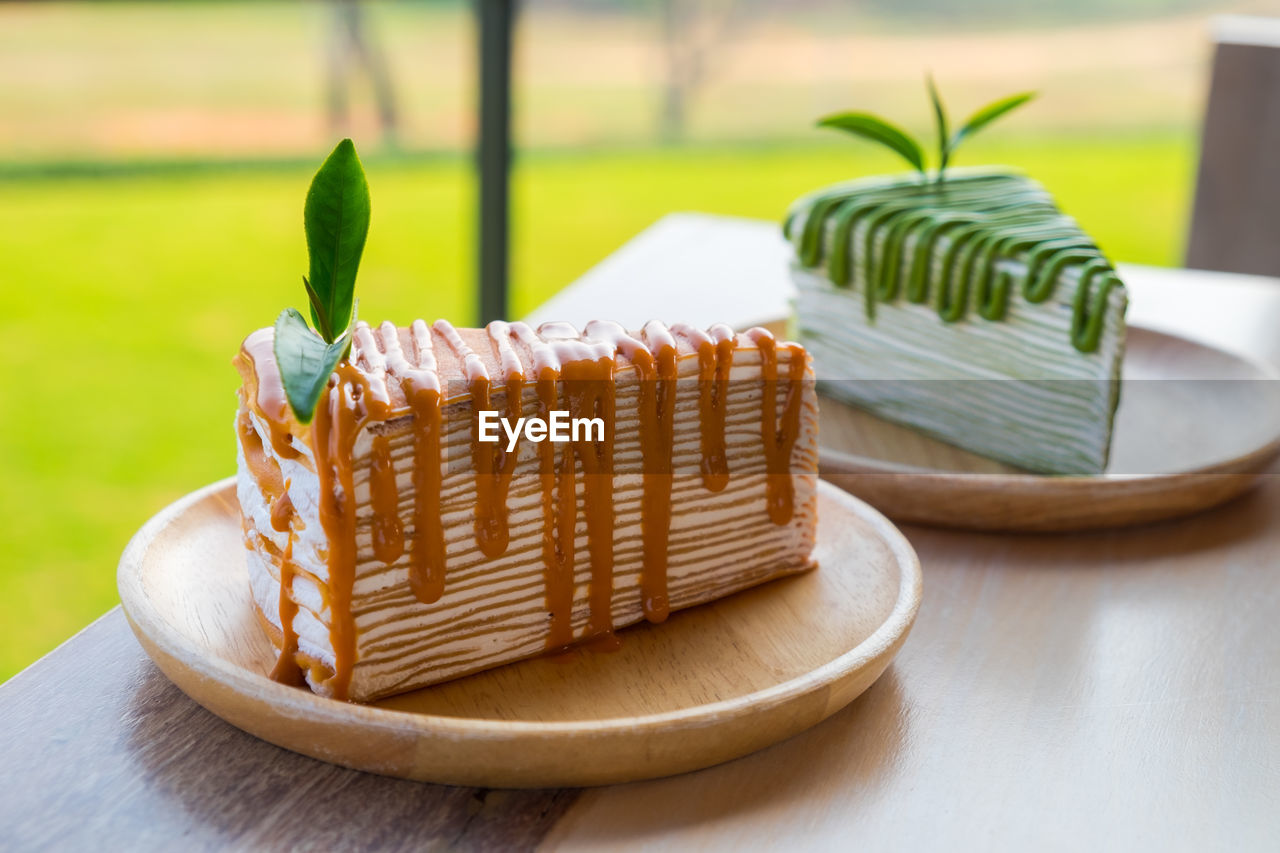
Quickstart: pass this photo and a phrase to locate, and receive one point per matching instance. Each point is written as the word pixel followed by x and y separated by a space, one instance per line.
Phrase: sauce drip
pixel 657 427
pixel 343 412
pixel 266 472
pixel 287 671
pixel 657 366
pixel 387 531
pixel 589 393
pixel 715 361
pixel 421 388
pixel 570 370
pixel 558 519
pixel 256 363
pixel 779 438
pixel 281 513
pixel 585 370
pixel 493 464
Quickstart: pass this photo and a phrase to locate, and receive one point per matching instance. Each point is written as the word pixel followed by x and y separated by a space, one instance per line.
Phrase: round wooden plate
pixel 712 683
pixel 1196 427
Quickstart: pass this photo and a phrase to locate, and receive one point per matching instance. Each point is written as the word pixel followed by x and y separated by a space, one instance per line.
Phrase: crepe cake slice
pixel 971 309
pixel 389 549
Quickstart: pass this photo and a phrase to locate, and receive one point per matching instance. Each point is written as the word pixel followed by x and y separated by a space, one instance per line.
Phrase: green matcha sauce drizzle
pixel 956 232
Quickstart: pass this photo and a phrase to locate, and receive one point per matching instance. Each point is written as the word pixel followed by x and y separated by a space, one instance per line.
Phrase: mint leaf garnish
pixel 336 221
pixel 873 128
pixel 878 130
pixel 988 114
pixel 940 118
pixel 306 361
pixel 336 218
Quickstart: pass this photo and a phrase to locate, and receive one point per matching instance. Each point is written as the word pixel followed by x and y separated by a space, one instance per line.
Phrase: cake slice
pixel 389 548
pixel 971 309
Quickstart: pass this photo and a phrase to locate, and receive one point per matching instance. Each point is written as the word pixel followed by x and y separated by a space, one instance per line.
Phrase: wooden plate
pixel 712 683
pixel 1196 427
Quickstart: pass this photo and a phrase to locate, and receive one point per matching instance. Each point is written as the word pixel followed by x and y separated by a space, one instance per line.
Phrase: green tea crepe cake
pixel 963 304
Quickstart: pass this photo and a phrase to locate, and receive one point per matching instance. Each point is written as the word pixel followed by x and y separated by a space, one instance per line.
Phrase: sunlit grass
pixel 125 298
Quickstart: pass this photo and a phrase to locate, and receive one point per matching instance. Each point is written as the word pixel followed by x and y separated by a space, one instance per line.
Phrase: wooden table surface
pixel 1108 691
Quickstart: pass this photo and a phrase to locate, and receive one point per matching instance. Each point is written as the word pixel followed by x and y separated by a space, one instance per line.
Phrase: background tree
pixel 351 44
pixel 692 30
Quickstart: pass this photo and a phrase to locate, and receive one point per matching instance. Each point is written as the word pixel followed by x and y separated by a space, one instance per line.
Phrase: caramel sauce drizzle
pixel 656 363
pixel 338 419
pixel 493 464
pixel 559 496
pixel 266 472
pixel 287 671
pixel 353 402
pixel 256 363
pixel 503 461
pixel 589 386
pixel 387 532
pixel 779 440
pixel 282 512
pixel 421 388
pixel 586 368
pixel 715 361
pixel 558 523
pixel 570 370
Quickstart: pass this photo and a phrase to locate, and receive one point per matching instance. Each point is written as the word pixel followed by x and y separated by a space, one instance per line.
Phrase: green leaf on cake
pixel 306 361
pixel 988 114
pixel 876 129
pixel 336 222
pixel 940 117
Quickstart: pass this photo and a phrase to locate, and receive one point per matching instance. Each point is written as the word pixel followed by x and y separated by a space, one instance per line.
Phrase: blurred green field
pixel 125 298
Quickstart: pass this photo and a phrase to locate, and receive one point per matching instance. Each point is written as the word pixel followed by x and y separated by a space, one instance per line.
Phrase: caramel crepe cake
pixel 389 548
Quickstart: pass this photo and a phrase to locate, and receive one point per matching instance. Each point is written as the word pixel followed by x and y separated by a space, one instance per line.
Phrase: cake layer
pixel 450 572
pixel 974 311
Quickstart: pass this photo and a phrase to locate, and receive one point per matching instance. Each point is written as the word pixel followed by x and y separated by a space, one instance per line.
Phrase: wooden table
pixel 1109 691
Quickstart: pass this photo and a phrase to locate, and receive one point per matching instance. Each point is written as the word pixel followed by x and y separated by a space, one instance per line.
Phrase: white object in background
pixel 689 268
pixel 1246 29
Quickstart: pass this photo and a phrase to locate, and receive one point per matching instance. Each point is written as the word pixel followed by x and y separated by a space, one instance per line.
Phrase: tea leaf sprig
pixel 336 222
pixel 883 132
